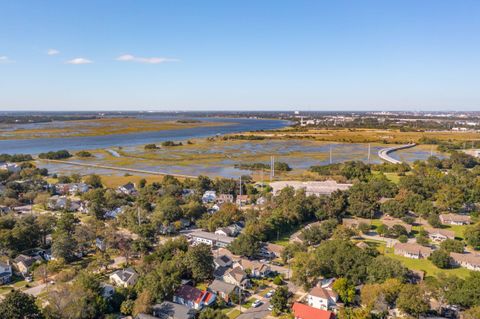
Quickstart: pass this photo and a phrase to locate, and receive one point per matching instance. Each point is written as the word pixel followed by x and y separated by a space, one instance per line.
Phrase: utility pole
pixel 138 215
pixel 368 160
pixel 330 153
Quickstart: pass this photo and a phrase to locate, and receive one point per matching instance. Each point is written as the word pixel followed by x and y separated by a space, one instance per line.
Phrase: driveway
pixel 35 291
pixel 256 313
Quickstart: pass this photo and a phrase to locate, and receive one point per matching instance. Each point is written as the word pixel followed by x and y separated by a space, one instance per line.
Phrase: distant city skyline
pixel 246 56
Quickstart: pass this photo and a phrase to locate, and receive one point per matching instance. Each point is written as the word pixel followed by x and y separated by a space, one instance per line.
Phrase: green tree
pixel 94 181
pixel 413 300
pixel 345 290
pixel 280 299
pixel 441 259
pixel 245 245
pixel 382 268
pixel 199 260
pixel 452 245
pixel 18 305
pixel 472 235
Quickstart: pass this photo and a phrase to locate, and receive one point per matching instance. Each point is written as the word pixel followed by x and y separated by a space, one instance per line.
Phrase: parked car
pixel 270 294
pixel 257 303
pixel 270 308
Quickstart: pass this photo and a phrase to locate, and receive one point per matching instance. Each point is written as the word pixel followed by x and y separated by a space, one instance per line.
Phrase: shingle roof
pixel 323 293
pixel 222 286
pixel 187 292
pixel 302 311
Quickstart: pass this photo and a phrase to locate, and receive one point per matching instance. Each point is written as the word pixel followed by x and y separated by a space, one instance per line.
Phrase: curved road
pixel 383 153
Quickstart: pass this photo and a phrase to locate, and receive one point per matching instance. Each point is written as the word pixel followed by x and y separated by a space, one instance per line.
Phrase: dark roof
pixel 223 260
pixel 169 309
pixel 221 286
pixel 127 275
pixel 187 292
pixel 220 271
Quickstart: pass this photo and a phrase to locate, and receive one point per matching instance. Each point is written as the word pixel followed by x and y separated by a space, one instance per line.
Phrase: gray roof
pixel 127 275
pixel 223 260
pixel 169 309
pixel 221 286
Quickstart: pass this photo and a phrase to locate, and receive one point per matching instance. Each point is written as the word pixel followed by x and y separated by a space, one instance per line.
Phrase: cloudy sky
pixel 239 55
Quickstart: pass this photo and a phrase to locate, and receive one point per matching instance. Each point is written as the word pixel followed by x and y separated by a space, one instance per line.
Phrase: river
pixel 39 145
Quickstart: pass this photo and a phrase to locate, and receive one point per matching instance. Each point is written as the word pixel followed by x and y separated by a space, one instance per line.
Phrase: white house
pixel 209 197
pixel 124 278
pixel 469 260
pixel 5 272
pixel 322 298
pixel 193 298
pixel 211 239
pixel 412 250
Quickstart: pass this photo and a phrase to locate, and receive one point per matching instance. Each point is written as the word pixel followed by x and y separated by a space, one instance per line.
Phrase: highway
pixel 383 153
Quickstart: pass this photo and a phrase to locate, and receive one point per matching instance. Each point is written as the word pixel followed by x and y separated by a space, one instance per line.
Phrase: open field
pixel 367 135
pixel 427 266
pixel 96 127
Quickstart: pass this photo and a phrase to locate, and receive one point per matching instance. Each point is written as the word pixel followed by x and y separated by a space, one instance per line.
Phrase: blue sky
pixel 240 55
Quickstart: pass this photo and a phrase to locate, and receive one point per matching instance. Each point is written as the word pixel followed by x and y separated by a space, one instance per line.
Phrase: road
pixel 257 313
pixel 116 168
pixel 383 153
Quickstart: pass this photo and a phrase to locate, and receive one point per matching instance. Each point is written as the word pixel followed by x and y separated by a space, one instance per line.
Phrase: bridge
pixel 383 153
pixel 116 168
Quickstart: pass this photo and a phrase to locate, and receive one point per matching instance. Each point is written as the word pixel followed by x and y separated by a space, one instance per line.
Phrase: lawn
pixel 249 303
pixel 427 266
pixel 458 229
pixel 234 314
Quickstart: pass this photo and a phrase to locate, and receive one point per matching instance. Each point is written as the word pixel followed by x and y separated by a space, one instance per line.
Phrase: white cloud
pixel 79 61
pixel 53 52
pixel 152 60
pixel 5 59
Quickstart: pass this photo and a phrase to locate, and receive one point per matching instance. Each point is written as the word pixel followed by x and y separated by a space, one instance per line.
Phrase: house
pixel 411 250
pixel 316 188
pixel 469 260
pixel 107 290
pixel 236 276
pixel 223 289
pixel 63 203
pixel 355 222
pixel 223 261
pixel 187 192
pixel 114 212
pixel 302 311
pixel 193 298
pixel 124 278
pixel 209 196
pixel 455 219
pixel 390 222
pixel 4 209
pixel 261 201
pixel 23 263
pixel 257 269
pixel 170 310
pixel 5 272
pixel 100 244
pixel 127 189
pixel 225 198
pixel 210 239
pixel 322 298
pixel 439 235
pixel 242 200
pixel 275 249
pixel 10 167
pixel 78 188
pixel 231 231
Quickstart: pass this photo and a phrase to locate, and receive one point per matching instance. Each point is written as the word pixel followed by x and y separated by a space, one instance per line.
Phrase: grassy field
pixel 427 266
pixel 368 135
pixel 99 127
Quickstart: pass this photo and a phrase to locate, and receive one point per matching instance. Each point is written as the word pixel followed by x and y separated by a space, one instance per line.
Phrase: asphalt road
pixel 256 313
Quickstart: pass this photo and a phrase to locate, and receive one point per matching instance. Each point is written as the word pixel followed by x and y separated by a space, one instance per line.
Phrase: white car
pixel 270 308
pixel 257 303
pixel 270 294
